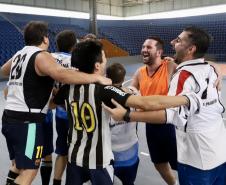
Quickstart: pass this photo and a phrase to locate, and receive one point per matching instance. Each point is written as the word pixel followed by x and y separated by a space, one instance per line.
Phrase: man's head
pixel 36 33
pixel 66 40
pixel 90 36
pixel 192 43
pixel 116 72
pixel 88 56
pixel 152 49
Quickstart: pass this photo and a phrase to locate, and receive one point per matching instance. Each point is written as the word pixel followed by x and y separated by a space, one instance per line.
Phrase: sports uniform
pixel 90 154
pixel 161 139
pixel 124 140
pixel 200 131
pixel 62 124
pixel 25 109
pixel 48 134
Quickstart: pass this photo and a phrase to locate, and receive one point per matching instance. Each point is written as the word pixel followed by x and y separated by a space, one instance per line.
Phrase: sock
pixel 46 170
pixel 56 182
pixel 11 177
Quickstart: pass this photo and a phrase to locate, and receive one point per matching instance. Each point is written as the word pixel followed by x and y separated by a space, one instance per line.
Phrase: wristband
pixel 126 116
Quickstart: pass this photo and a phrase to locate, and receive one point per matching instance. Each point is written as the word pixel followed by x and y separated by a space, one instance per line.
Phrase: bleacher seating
pixel 11 40
pixel 131 34
pixel 128 35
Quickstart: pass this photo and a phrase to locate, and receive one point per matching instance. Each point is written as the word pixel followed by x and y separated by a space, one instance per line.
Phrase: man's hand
pixel 171 59
pixel 218 82
pixel 117 113
pixel 103 80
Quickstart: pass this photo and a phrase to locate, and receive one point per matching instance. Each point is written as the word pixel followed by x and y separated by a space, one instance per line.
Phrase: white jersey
pixel 200 131
pixel 64 59
pixel 123 135
pixel 28 93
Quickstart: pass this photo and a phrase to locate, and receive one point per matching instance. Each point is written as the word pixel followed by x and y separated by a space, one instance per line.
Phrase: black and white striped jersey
pixel 89 132
pixel 28 93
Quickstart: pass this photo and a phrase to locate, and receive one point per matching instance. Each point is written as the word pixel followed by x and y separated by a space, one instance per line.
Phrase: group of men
pixel 200 130
pixel 194 108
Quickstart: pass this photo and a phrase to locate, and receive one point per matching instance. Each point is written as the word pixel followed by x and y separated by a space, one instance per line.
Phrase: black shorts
pixel 62 126
pixel 127 174
pixel 48 134
pixel 76 175
pixel 25 143
pixel 161 140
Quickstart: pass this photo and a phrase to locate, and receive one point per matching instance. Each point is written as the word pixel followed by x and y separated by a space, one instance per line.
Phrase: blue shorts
pixel 62 126
pixel 25 143
pixel 189 175
pixel 48 134
pixel 77 175
pixel 161 140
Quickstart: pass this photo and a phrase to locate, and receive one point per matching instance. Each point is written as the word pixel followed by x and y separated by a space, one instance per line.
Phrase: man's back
pixel 89 131
pixel 27 91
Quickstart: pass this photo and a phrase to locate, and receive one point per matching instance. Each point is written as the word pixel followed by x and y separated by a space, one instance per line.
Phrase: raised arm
pixel 45 65
pixel 5 69
pixel 171 66
pixel 135 80
pixel 218 82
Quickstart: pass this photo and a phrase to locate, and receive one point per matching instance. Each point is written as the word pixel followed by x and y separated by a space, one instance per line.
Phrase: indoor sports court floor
pixel 147 175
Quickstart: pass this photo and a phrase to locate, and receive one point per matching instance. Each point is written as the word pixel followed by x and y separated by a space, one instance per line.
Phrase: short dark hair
pixel 34 33
pixel 90 36
pixel 200 39
pixel 159 44
pixel 66 40
pixel 86 54
pixel 116 72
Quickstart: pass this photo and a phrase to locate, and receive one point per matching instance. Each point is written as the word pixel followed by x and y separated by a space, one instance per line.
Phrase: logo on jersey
pixel 118 91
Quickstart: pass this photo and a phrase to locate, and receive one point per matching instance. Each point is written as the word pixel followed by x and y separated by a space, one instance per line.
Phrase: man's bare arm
pixel 45 65
pixel 135 80
pixel 156 102
pixel 117 113
pixel 171 69
pixel 5 69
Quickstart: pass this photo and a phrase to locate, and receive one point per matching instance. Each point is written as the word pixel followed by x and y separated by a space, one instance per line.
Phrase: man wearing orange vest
pixel 153 79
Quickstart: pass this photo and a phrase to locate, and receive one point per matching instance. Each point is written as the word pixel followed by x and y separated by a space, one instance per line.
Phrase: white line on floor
pixel 143 153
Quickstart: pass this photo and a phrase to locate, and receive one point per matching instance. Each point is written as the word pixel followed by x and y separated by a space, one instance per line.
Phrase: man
pixel 65 41
pixel 201 133
pixel 90 153
pixel 124 138
pixel 32 71
pixel 153 79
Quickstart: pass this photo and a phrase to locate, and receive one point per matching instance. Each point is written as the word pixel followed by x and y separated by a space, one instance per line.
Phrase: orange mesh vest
pixel 157 84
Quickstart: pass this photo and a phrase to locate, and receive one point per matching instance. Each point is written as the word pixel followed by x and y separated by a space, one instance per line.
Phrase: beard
pixel 148 59
pixel 179 57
